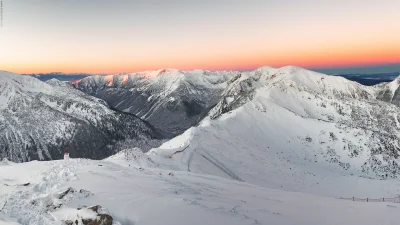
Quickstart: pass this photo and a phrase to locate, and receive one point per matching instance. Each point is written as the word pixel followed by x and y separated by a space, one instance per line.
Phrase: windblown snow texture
pixel 52 192
pixel 41 121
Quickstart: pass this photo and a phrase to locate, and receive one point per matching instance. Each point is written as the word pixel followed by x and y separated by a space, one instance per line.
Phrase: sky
pixel 112 36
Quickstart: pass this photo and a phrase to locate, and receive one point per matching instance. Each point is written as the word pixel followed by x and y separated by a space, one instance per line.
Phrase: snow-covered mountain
pixel 59 76
pixel 274 113
pixel 278 146
pixel 41 121
pixel 169 99
pixel 279 127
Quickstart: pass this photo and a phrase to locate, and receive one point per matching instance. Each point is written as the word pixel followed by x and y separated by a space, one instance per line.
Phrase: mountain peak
pixel 266 69
pixel 292 69
pixel 55 82
pixel 157 73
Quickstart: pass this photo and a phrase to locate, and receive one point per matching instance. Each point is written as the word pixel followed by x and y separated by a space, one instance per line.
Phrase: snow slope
pixel 137 195
pixel 40 121
pixel 295 130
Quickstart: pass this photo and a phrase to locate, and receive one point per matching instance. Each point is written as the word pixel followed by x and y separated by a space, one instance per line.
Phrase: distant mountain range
pixel 362 78
pixel 367 69
pixel 371 79
pixel 169 99
pixel 59 76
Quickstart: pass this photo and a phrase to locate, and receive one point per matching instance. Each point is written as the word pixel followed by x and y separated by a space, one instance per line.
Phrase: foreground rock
pixel 91 216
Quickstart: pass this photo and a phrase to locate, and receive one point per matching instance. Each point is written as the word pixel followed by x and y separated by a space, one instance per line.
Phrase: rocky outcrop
pixel 91 216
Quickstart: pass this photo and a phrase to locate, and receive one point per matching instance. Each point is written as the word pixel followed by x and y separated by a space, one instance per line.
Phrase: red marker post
pixel 66 156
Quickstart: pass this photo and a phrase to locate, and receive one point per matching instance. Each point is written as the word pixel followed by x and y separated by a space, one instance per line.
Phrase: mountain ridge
pixel 171 101
pixel 294 117
pixel 149 97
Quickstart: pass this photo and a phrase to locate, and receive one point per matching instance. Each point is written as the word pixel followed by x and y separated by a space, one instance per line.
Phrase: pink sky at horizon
pixel 130 36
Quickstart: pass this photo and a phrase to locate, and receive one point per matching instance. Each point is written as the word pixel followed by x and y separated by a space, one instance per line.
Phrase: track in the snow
pixel 220 165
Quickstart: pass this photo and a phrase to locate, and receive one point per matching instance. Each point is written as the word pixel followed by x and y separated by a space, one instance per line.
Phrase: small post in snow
pixel 66 156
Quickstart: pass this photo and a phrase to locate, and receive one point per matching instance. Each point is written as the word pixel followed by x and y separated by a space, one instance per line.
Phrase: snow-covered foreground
pixel 37 193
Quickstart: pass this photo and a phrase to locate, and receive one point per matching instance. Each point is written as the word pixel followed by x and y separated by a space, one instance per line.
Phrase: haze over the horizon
pixel 107 36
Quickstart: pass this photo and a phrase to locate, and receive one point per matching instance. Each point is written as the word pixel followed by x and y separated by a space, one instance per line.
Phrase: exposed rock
pixel 63 194
pixel 93 215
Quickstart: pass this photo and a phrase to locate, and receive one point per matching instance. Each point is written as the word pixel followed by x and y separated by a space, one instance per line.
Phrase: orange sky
pixel 69 37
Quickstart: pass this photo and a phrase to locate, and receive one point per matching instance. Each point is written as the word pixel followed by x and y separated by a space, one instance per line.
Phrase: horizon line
pixel 317 69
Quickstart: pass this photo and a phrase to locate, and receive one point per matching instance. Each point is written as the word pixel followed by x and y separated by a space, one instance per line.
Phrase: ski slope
pixel 132 194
